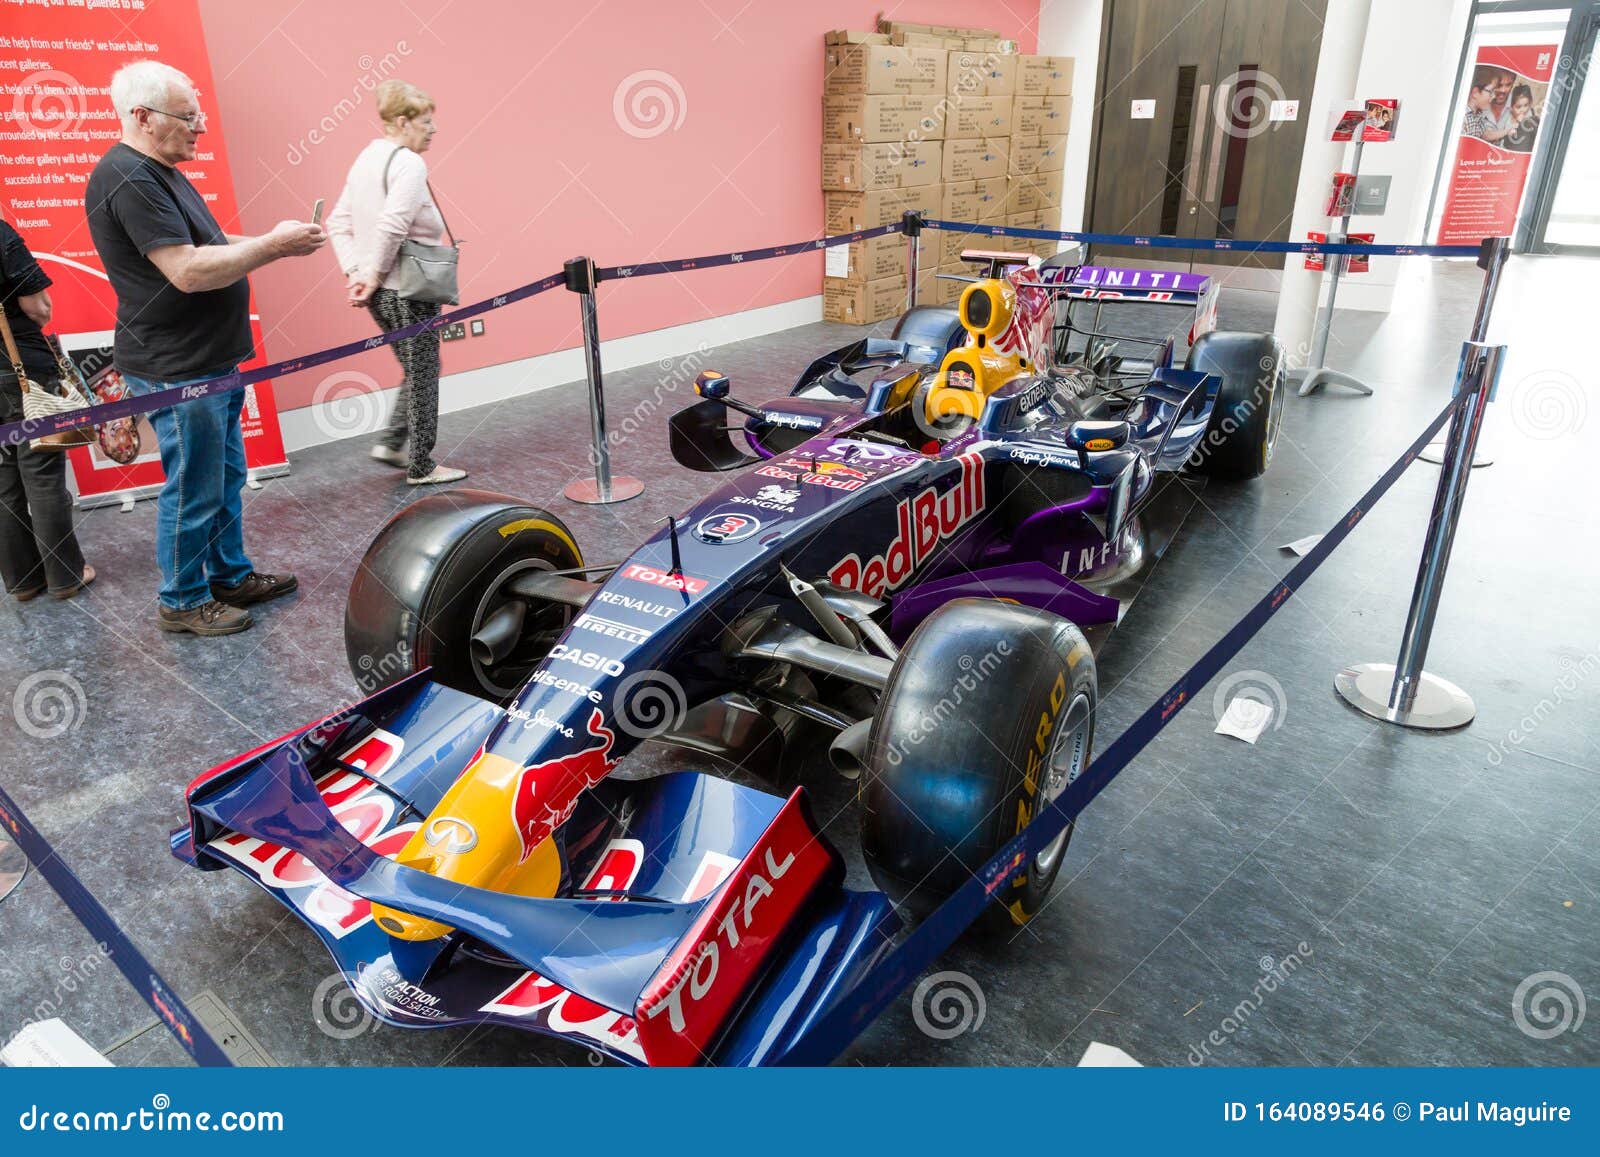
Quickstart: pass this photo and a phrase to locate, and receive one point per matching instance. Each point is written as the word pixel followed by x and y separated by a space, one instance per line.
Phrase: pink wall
pixel 531 164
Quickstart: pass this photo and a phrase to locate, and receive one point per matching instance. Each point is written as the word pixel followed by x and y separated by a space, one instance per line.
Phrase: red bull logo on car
pixel 922 522
pixel 547 792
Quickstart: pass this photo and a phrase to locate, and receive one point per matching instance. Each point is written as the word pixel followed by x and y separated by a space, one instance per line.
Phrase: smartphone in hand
pixel 316 212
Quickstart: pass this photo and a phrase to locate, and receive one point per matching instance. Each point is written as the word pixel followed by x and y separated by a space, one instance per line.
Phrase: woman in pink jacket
pixel 386 200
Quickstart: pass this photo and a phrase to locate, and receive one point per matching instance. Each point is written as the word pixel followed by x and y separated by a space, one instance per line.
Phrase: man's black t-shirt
pixel 136 204
pixel 20 276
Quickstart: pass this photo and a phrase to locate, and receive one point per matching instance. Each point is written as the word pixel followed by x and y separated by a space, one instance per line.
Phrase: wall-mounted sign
pixel 1142 110
pixel 1283 110
pixel 1372 195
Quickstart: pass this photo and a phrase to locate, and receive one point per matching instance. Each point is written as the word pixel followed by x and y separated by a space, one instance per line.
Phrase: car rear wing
pixel 1106 283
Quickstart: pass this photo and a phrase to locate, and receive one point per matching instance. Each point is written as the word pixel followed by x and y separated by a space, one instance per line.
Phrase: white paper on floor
pixel 1245 718
pixel 1099 1056
pixel 51 1044
pixel 1301 545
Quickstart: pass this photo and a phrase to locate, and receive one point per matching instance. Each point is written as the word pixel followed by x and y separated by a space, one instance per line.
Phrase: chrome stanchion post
pixel 603 488
pixel 1492 255
pixel 911 222
pixel 1402 692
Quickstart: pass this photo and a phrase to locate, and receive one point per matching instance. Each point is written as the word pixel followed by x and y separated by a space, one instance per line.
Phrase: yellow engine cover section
pixel 968 375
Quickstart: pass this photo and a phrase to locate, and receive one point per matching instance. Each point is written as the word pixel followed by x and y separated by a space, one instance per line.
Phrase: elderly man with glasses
pixel 183 315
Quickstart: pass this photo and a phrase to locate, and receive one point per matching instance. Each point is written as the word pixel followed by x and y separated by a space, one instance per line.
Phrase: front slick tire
pixel 432 577
pixel 987 715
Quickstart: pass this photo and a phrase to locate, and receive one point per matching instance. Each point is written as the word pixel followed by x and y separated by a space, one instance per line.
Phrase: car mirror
pixel 1092 437
pixel 711 384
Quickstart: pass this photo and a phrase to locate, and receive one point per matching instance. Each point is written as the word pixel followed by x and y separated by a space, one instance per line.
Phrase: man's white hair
pixel 145 84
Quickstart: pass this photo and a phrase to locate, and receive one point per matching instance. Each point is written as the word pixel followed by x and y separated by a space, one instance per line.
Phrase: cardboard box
pixel 884 165
pixel 951 30
pixel 966 117
pixel 952 243
pixel 981 73
pixel 882 117
pixel 1037 155
pixel 862 303
pixel 882 68
pixel 1036 220
pixel 946 291
pixel 848 212
pixel 976 159
pixel 847 36
pixel 981 201
pixel 868 260
pixel 1044 75
pixel 1038 192
pixel 1040 116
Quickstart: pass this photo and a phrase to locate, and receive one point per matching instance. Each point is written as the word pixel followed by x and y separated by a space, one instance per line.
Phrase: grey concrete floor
pixel 1343 892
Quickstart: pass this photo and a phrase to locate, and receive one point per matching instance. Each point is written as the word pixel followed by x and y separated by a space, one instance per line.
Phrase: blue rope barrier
pixel 867 1000
pixel 1197 243
pixel 648 268
pixel 162 998
pixel 16 432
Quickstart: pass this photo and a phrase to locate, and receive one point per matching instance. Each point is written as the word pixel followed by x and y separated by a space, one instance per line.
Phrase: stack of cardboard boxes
pixel 948 122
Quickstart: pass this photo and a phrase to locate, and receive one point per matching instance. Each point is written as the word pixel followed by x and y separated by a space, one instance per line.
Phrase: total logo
pixel 726 526
pixel 661 578
pixel 771 498
pixel 922 522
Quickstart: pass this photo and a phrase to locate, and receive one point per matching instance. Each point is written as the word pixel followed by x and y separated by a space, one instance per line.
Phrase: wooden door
pixel 1213 162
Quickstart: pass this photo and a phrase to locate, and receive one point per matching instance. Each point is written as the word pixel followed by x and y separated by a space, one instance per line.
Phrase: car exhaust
pixel 499 633
pixel 848 751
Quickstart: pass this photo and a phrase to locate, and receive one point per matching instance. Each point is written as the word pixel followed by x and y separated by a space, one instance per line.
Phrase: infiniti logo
pixel 461 836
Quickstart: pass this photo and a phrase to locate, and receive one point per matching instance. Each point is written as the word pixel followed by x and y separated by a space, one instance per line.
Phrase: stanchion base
pixel 1434 452
pixel 587 490
pixel 1311 379
pixel 13 867
pixel 1439 706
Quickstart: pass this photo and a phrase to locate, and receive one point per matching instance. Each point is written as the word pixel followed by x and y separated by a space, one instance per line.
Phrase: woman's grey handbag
pixel 427 272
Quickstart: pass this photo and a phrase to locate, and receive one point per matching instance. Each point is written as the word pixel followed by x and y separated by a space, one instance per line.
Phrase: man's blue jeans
pixel 199 529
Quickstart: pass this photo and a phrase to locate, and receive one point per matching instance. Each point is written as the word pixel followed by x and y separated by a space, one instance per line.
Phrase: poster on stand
pixel 1499 125
pixel 60 60
pixel 1382 118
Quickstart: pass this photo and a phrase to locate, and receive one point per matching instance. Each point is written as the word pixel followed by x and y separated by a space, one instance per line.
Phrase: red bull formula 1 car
pixel 910 564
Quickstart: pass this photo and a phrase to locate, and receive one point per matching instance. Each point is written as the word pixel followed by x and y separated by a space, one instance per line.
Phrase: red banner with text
pixel 56 122
pixel 1499 125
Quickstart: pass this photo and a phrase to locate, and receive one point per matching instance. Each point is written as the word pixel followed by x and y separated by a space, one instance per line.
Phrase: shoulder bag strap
pixel 437 208
pixel 11 351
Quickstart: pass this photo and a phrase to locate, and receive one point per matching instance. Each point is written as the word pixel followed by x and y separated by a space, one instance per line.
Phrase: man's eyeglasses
pixel 195 120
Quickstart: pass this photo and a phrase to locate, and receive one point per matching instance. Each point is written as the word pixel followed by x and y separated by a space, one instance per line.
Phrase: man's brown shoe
pixel 256 588
pixel 211 618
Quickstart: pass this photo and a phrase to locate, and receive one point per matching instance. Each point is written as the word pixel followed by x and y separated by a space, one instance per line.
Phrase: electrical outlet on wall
pixel 455 331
